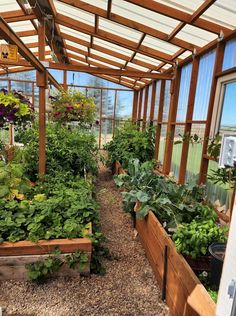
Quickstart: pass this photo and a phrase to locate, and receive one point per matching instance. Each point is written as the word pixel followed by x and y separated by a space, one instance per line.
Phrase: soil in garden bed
pixel 128 288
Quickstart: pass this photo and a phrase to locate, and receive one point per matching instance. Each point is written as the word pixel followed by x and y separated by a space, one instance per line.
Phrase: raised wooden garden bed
pixel 185 295
pixel 14 256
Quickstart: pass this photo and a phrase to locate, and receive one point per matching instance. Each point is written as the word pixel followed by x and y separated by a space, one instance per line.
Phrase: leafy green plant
pixel 13 184
pixel 72 105
pixel 41 269
pixel 188 138
pixel 129 142
pixel 193 239
pixel 66 150
pixel 213 149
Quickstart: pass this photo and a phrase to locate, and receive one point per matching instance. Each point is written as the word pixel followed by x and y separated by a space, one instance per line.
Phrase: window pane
pixel 228 115
pixel 229 55
pixel 124 104
pixel 149 102
pixel 184 92
pixel 166 101
pixel 162 143
pixel 107 131
pixel 206 67
pixel 177 151
pixel 157 99
pixel 195 154
pixel 108 100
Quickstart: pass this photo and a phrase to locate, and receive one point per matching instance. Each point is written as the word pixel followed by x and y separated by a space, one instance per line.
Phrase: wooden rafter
pixel 180 15
pixel 87 29
pixel 23 8
pixel 205 5
pixel 109 71
pixel 17 16
pixel 127 22
pixel 45 9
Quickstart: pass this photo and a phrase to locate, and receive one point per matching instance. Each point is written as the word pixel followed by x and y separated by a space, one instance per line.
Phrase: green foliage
pixel 12 182
pixel 41 269
pixel 188 138
pixel 129 142
pixel 213 149
pixel 223 176
pixel 66 150
pixel 72 105
pixel 193 239
pixel 68 208
pixel 172 203
pixel 213 294
pixel 14 108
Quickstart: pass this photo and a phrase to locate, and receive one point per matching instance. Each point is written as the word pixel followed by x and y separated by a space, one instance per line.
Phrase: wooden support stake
pixel 65 80
pixel 100 123
pixel 145 108
pixel 140 106
pixel 218 67
pixel 189 116
pixel 159 119
pixel 114 115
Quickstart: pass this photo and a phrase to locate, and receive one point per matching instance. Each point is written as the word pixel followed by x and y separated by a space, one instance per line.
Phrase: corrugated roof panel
pixel 102 63
pixel 9 5
pixel 147 59
pixel 222 12
pixel 30 39
pixel 75 53
pixel 137 67
pixel 102 4
pixel 195 35
pixel 185 54
pixel 21 26
pixel 75 13
pixel 144 16
pixel 160 45
pixel 182 5
pixel 107 56
pixel 120 30
pixel 112 46
pixel 75 33
pixel 82 47
pixel 78 61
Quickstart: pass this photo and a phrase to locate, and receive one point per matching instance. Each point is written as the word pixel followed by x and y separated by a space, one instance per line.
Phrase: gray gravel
pixel 128 288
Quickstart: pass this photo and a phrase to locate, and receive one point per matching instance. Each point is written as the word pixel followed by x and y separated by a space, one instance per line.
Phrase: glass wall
pixel 229 55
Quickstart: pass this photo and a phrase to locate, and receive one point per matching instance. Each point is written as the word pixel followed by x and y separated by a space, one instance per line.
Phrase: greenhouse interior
pixel 117 157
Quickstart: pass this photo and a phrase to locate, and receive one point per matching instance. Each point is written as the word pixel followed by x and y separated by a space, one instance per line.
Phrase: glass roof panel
pixel 119 30
pixel 183 5
pixel 74 13
pixel 185 54
pixel 99 3
pixel 160 45
pixel 195 35
pixel 144 16
pixel 9 5
pixel 107 56
pixel 166 66
pixel 137 67
pixel 76 45
pixel 222 12
pixel 112 46
pixel 75 33
pixel 21 26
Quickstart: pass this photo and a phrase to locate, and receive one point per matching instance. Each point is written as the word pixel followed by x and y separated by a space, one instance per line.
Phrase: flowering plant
pixel 15 108
pixel 72 105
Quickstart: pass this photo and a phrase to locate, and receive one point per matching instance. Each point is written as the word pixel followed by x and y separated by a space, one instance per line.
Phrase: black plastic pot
pixel 217 251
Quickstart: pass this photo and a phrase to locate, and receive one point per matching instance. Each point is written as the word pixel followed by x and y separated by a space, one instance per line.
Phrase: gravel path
pixel 127 289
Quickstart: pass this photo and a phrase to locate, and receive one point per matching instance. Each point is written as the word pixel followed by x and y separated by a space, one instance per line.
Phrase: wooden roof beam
pixel 127 22
pixel 45 9
pixel 17 16
pixel 109 71
pixel 180 15
pixel 85 28
pixel 23 8
pixel 205 5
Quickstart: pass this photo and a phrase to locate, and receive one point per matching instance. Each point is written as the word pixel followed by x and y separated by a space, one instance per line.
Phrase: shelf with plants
pixel 52 224
pixel 180 218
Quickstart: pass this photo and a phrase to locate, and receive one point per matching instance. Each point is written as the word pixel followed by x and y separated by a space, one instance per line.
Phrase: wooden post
pixel 159 119
pixel 145 107
pixel 217 68
pixel 154 85
pixel 42 83
pixel 189 116
pixel 135 107
pixel 140 105
pixel 171 118
pixel 100 122
pixel 65 80
pixel 114 115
